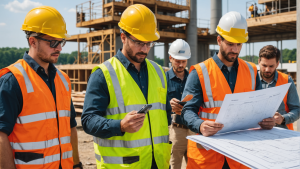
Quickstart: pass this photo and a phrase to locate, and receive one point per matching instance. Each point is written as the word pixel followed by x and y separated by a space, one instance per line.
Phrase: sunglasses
pixel 53 43
pixel 140 44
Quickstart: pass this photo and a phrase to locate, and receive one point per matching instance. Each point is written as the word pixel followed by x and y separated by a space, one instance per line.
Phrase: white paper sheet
pixel 242 111
pixel 276 148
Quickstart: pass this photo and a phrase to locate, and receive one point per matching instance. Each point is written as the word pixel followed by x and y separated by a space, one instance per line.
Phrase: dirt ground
pixel 86 147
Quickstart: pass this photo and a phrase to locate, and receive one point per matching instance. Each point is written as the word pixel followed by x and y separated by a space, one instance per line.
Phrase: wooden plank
pixel 272 19
pixel 77 99
pixel 78 110
pixel 171 19
pixel 98 21
pixel 172 6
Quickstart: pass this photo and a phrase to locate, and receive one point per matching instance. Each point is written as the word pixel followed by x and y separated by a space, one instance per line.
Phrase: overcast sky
pixel 13 12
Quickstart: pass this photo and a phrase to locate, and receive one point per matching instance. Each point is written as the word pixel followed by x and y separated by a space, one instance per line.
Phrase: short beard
pixel 226 55
pixel 43 56
pixel 177 69
pixel 134 57
pixel 267 77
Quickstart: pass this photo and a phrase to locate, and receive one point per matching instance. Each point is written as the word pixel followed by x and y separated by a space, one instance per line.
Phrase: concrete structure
pixel 215 15
pixel 190 32
pixel 166 54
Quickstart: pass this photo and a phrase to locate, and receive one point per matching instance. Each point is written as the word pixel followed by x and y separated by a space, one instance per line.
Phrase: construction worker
pixel 209 82
pixel 251 10
pixel 289 110
pixel 120 87
pixel 179 53
pixel 37 116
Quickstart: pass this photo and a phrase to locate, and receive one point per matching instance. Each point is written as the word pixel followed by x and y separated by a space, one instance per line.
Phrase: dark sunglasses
pixel 53 43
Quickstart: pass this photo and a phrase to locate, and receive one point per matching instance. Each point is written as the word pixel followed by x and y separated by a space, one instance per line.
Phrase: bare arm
pixel 74 142
pixel 6 155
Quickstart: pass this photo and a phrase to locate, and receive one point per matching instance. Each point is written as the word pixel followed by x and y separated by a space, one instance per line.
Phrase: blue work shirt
pixel 292 101
pixel 97 100
pixel 175 90
pixel 190 110
pixel 11 98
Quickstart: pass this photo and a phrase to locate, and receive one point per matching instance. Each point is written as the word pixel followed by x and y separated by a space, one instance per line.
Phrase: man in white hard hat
pixel 209 82
pixel 179 53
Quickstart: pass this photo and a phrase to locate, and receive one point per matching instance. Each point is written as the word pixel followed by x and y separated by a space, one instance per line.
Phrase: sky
pixel 13 12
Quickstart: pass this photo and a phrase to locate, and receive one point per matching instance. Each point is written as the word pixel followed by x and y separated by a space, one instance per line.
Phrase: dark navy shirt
pixel 190 111
pixel 11 98
pixel 97 100
pixel 175 90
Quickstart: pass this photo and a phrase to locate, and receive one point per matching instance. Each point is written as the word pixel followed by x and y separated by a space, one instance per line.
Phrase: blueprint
pixel 257 148
pixel 242 111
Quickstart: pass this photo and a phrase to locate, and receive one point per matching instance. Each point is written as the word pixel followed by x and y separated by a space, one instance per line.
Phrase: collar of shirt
pixel 172 74
pixel 221 64
pixel 125 61
pixel 274 80
pixel 35 66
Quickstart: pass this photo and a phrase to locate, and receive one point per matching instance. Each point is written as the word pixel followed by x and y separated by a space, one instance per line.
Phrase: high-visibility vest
pixel 134 150
pixel 215 87
pixel 39 139
pixel 284 79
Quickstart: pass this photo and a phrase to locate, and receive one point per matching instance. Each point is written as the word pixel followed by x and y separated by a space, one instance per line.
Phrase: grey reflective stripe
pixel 161 139
pixel 129 108
pixel 36 117
pixel 65 140
pixel 112 160
pixel 47 159
pixel 34 145
pixel 116 85
pixel 216 104
pixel 252 75
pixel 207 86
pixel 64 113
pixel 98 157
pixel 208 115
pixel 67 154
pixel 63 79
pixel 26 78
pixel 122 143
pixel 159 72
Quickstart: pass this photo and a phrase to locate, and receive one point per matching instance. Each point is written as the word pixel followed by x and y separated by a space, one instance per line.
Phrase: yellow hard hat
pixel 46 20
pixel 233 27
pixel 140 22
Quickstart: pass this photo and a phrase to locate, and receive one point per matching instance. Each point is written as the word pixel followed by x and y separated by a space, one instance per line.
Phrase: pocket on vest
pixel 28 156
pixel 130 160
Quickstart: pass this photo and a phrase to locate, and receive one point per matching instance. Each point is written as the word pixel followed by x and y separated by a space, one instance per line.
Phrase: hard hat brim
pixel 147 37
pixel 235 39
pixel 180 57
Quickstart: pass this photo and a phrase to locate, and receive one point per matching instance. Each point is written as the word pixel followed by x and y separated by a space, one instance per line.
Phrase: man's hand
pixel 132 122
pixel 209 128
pixel 176 107
pixel 278 118
pixel 6 155
pixel 268 123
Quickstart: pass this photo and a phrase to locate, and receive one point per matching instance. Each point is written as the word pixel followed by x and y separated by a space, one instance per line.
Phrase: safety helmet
pixel 233 27
pixel 140 22
pixel 46 20
pixel 180 50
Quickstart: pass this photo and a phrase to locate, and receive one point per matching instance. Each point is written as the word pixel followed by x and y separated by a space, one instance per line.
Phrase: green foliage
pixel 250 59
pixel 159 60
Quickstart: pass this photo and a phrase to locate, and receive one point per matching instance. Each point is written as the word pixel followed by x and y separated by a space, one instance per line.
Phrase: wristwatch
pixel 78 165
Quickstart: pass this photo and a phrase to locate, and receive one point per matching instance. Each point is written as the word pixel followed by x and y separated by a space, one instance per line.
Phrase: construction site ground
pixel 86 147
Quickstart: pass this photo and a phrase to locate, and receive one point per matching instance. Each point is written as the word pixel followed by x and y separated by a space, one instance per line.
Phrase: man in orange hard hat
pixel 37 117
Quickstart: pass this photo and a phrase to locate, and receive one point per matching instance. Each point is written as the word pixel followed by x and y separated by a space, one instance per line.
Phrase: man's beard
pixel 226 55
pixel 266 76
pixel 134 57
pixel 43 56
pixel 177 69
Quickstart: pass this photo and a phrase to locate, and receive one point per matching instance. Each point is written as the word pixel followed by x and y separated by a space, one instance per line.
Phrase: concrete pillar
pixel 215 14
pixel 150 55
pixel 298 56
pixel 119 43
pixel 203 52
pixel 191 36
pixel 281 53
pixel 106 48
pixel 166 55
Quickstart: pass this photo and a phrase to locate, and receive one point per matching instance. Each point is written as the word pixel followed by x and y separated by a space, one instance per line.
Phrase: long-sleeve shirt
pixel 292 101
pixel 11 99
pixel 175 90
pixel 190 110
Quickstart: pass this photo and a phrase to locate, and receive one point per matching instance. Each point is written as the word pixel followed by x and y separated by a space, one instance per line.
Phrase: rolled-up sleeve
pixel 95 104
pixel 293 104
pixel 189 114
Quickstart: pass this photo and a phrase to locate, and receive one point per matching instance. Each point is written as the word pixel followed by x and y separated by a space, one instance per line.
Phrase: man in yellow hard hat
pixel 209 82
pixel 121 86
pixel 37 117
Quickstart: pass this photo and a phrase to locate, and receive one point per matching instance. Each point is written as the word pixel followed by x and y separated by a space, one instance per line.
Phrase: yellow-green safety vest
pixel 134 150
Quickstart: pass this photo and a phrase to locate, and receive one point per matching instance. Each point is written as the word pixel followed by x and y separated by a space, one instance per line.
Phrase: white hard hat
pixel 180 50
pixel 233 27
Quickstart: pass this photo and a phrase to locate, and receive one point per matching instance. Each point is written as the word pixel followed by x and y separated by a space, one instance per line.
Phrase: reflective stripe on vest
pixel 40 144
pixel 36 117
pixel 118 92
pixel 130 144
pixel 159 72
pixel 67 154
pixel 63 79
pixel 210 116
pixel 64 113
pixel 252 75
pixel 26 78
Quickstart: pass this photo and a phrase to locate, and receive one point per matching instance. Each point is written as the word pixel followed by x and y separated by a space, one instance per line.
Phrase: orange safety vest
pixel 284 79
pixel 215 87
pixel 39 139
